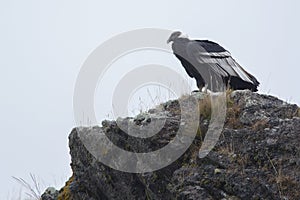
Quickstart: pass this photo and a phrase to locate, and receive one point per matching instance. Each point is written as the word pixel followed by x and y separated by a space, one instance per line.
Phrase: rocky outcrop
pixel 256 157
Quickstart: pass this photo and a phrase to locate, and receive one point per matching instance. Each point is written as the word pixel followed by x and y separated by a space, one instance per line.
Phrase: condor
pixel 211 65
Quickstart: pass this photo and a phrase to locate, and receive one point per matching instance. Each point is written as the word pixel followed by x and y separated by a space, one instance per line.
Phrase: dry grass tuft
pixel 260 125
pixel 233 112
pixel 205 108
pixel 33 190
pixel 285 184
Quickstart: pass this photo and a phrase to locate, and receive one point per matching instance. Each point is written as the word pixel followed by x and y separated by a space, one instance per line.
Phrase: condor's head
pixel 174 36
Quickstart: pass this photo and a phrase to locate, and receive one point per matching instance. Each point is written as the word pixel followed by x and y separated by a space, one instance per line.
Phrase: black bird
pixel 211 65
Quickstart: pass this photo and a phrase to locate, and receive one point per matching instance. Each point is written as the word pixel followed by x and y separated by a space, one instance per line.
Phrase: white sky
pixel 44 43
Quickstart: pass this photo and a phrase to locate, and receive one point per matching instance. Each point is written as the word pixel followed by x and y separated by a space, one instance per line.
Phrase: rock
pixel 50 194
pixel 257 156
pixel 218 171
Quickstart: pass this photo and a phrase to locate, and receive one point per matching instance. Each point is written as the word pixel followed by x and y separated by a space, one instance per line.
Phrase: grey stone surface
pixel 257 157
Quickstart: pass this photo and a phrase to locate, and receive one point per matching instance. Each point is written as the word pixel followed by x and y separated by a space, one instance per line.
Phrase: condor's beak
pixel 169 40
